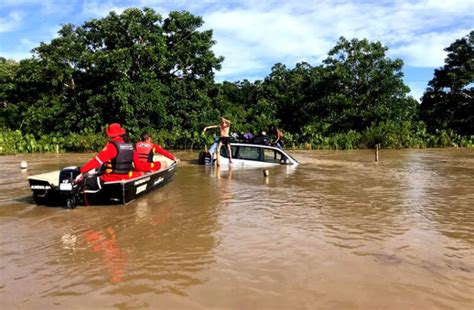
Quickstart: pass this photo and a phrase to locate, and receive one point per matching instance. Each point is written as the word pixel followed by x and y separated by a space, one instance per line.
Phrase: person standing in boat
pixel 224 129
pixel 146 149
pixel 118 157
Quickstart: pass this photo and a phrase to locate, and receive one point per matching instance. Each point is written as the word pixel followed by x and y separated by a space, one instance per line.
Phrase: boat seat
pixel 166 162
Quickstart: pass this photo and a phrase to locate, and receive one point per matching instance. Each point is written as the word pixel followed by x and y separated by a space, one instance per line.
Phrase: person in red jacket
pixel 119 158
pixel 146 149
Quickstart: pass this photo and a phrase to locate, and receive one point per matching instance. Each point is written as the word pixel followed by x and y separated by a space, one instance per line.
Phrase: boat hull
pixel 46 191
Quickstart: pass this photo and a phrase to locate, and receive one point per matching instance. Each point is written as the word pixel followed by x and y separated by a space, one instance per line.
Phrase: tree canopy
pixel 356 86
pixel 8 70
pixel 449 99
pixel 156 73
pixel 133 68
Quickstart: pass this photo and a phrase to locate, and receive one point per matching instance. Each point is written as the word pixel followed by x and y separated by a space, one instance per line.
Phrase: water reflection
pixel 159 244
pixel 392 235
pixel 437 197
pixel 224 187
pixel 155 216
pixel 350 209
pixel 105 243
pixel 172 240
pixel 161 216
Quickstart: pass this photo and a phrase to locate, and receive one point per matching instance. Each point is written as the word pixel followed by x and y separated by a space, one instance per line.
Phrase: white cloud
pixel 16 3
pixel 11 22
pixel 27 43
pixel 15 55
pixel 21 51
pixel 427 50
pixel 43 7
pixel 451 6
pixel 417 89
pixel 251 40
pixel 253 35
pixel 271 31
pixel 101 8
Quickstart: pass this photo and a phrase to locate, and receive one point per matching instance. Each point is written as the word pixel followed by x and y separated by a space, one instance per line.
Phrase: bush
pixel 12 142
pixel 345 141
pixel 387 134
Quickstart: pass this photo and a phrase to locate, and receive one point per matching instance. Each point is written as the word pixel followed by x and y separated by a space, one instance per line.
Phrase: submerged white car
pixel 248 155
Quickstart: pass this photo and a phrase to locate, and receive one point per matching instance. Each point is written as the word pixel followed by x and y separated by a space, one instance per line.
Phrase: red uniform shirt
pixel 143 147
pixel 109 152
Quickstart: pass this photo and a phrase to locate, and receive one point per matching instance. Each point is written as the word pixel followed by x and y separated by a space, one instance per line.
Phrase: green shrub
pixel 387 134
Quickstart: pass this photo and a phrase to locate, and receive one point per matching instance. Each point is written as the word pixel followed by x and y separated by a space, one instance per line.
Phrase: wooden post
pixel 377 152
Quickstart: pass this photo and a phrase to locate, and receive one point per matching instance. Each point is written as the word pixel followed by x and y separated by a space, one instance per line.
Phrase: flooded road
pixel 337 232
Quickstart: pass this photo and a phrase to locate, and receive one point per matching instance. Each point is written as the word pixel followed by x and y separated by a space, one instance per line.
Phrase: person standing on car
pixel 224 139
pixel 278 137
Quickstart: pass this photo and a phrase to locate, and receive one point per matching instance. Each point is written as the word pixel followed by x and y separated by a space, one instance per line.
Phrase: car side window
pixel 271 156
pixel 224 151
pixel 250 153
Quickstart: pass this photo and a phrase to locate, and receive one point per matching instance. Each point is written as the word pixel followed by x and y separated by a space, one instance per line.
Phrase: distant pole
pixel 377 152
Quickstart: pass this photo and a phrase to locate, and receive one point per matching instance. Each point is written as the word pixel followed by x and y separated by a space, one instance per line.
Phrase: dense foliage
pixel 448 103
pixel 157 74
pixel 133 68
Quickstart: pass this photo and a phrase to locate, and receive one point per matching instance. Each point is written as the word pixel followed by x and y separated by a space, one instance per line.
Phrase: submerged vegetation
pixel 157 74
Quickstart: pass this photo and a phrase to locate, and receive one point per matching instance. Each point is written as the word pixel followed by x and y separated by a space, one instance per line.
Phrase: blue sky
pixel 253 35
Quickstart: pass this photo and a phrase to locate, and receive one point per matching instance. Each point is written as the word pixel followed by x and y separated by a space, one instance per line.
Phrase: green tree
pixel 134 68
pixel 246 105
pixel 8 112
pixel 190 65
pixel 295 94
pixel 448 102
pixel 364 86
pixel 355 87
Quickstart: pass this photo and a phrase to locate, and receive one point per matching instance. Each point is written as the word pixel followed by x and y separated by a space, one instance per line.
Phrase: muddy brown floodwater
pixel 337 232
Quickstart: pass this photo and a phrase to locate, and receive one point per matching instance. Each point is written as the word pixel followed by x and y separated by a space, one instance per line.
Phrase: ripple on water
pixel 339 231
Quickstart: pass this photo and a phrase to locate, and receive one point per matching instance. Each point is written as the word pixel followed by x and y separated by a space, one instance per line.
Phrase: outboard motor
pixel 69 191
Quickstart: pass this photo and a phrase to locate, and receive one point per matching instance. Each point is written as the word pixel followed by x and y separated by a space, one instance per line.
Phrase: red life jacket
pixel 123 162
pixel 145 151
